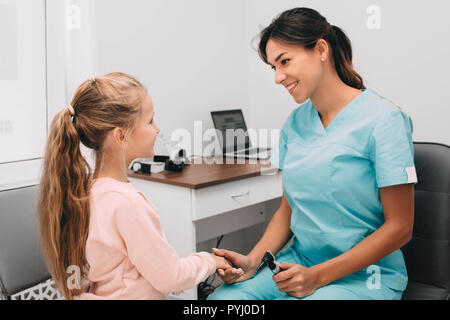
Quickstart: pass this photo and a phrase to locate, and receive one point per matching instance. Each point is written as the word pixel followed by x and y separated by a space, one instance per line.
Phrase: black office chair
pixel 22 265
pixel 427 255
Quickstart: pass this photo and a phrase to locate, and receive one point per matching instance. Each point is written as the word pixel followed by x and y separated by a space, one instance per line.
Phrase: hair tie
pixel 92 79
pixel 71 109
pixel 332 30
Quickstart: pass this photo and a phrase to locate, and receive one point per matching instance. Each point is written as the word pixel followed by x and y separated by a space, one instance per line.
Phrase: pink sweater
pixel 127 251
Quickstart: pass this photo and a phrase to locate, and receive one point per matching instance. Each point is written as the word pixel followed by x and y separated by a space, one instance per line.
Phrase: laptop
pixel 238 144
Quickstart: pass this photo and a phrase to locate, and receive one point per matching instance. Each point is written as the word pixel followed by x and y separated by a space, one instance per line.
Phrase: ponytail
pixel 64 203
pixel 342 55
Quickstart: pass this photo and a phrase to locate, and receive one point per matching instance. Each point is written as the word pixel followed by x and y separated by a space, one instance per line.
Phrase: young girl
pixel 101 224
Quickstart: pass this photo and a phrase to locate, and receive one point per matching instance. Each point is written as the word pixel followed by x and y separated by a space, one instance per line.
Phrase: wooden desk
pixel 196 176
pixel 207 200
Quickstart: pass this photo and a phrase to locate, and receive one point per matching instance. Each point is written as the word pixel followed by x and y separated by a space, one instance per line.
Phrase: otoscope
pixel 268 259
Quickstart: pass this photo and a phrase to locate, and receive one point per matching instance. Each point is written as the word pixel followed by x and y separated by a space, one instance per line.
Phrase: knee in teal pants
pixel 262 287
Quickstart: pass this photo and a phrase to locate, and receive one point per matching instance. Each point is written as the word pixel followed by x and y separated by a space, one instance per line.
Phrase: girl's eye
pixel 272 67
pixel 151 121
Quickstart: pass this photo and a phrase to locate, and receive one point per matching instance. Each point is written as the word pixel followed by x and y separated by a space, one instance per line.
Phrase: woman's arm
pixel 398 208
pixel 276 235
pixel 278 232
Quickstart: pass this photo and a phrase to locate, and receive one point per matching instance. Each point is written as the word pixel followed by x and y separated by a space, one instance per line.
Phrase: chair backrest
pixel 21 261
pixel 427 255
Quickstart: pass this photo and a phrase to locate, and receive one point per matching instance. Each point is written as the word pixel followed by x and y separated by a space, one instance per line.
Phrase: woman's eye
pixel 151 121
pixel 283 62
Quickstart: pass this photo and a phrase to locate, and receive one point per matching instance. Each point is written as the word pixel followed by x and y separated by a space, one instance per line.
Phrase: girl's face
pixel 142 139
pixel 298 69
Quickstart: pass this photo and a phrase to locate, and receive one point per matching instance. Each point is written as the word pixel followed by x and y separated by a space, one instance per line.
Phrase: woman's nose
pixel 279 77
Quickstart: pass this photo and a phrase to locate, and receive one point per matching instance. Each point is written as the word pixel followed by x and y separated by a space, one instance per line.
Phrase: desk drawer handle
pixel 237 196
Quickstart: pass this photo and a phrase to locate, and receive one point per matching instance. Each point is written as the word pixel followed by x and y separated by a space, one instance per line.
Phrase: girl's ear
pixel 118 136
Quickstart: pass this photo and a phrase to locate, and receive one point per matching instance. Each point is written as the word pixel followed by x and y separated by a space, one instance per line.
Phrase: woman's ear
pixel 322 49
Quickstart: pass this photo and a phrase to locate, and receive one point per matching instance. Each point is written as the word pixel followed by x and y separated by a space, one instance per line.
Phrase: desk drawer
pixel 214 200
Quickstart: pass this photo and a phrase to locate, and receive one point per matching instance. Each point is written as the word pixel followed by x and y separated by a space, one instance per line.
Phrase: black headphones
pixel 174 165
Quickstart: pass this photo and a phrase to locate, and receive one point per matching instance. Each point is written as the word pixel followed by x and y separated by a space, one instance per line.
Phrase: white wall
pixel 191 55
pixel 406 60
pixel 200 55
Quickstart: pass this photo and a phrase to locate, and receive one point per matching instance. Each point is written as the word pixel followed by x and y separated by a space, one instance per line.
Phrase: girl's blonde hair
pixel 100 105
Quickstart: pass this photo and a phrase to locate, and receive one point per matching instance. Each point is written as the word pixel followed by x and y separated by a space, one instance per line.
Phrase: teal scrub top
pixel 331 178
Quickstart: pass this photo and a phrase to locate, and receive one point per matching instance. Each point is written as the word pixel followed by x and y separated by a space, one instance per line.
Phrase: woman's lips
pixel 291 87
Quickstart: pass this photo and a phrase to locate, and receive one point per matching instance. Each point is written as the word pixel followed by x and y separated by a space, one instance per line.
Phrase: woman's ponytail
pixel 342 55
pixel 64 203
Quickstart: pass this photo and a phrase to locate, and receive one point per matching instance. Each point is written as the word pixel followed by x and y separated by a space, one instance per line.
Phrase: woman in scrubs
pixel 346 157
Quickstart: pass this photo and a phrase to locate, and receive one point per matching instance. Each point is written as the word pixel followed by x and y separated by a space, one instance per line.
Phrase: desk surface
pixel 196 176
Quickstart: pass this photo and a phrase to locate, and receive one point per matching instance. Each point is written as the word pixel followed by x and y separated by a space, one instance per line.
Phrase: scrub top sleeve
pixel 391 150
pixel 278 153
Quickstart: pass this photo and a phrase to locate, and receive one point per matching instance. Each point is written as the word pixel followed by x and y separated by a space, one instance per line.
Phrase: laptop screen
pixel 234 131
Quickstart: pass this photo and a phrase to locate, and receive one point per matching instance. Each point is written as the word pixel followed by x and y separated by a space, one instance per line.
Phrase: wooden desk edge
pixel 199 185
pixel 148 177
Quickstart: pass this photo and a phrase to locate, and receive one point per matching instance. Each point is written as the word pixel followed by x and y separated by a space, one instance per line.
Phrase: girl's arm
pixel 148 250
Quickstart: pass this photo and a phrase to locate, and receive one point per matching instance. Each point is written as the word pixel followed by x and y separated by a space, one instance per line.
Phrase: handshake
pixel 292 278
pixel 234 267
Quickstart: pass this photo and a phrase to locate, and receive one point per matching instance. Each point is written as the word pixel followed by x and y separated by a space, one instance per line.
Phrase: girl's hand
pixel 221 262
pixel 243 267
pixel 296 280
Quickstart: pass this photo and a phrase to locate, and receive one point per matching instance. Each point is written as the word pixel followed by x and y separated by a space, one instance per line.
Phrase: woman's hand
pixel 296 280
pixel 243 266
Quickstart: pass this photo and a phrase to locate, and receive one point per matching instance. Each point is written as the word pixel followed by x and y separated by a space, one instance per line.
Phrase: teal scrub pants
pixel 262 287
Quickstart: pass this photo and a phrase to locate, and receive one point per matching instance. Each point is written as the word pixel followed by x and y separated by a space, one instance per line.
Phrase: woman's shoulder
pixel 379 105
pixel 384 114
pixel 377 110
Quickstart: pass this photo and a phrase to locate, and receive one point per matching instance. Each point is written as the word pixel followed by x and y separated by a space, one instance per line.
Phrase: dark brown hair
pixel 305 26
pixel 100 105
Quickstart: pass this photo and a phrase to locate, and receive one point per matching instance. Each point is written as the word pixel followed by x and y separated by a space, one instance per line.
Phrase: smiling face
pixel 298 69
